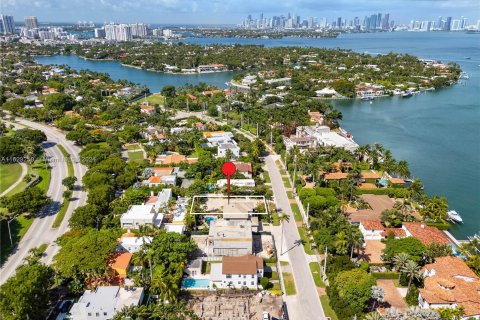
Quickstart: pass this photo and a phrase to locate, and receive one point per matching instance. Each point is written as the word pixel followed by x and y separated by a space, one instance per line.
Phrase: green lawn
pixel 154 99
pixel 290 194
pixel 136 156
pixel 306 241
pixel 289 284
pixel 296 212
pixel 275 219
pixel 275 289
pixel 284 263
pixel 286 182
pixel 61 213
pixel 9 173
pixel 271 275
pixel 66 155
pixel 326 307
pixel 42 169
pixel 133 146
pixel 18 228
pixel 266 177
pixel 317 275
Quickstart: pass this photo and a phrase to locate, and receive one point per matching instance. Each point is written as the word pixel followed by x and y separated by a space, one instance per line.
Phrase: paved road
pixel 306 304
pixel 41 230
pixel 22 175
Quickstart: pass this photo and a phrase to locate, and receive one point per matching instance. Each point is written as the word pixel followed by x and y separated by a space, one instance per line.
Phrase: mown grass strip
pixel 316 274
pixel 289 284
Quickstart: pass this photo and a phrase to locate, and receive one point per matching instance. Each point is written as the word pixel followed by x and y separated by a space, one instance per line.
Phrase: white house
pixel 139 215
pixel 223 148
pixel 104 302
pixel 236 182
pixel 237 272
pixel 371 229
pixel 133 244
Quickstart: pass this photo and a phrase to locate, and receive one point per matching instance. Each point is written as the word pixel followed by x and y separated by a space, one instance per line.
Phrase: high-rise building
pixel 31 22
pixel 339 22
pixel 379 21
pixel 7 25
pixel 139 30
pixel 448 24
pixel 455 25
pixel 99 33
pixel 118 32
pixel 463 23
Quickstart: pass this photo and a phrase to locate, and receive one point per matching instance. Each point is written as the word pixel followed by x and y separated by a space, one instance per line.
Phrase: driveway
pixel 392 295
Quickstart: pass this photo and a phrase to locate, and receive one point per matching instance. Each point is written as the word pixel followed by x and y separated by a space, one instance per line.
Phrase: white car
pixel 266 315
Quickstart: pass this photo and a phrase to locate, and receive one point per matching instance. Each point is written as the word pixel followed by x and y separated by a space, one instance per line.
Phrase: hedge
pixel 391 192
pixel 385 275
pixel 439 225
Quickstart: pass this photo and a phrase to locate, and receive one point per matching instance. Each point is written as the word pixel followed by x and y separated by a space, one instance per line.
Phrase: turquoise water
pixel 436 132
pixel 190 283
pixel 209 219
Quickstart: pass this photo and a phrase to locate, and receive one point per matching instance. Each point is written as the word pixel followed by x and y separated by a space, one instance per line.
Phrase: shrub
pixel 412 296
pixel 264 282
pixel 386 275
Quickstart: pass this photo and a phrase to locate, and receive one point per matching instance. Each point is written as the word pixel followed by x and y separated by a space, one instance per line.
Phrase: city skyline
pixel 214 12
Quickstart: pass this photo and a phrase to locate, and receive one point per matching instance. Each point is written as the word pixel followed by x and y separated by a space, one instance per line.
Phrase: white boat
pixel 454 216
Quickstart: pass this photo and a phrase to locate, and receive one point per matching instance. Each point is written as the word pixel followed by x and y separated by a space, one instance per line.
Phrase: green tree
pixel 168 91
pixel 85 252
pixel 399 261
pixel 31 200
pixel 410 245
pixel 25 295
pixel 157 311
pixel 412 270
pixel 85 216
pixel 69 182
pixel 435 209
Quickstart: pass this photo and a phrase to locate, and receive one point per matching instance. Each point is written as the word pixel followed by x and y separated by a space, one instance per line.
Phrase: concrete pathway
pixel 20 179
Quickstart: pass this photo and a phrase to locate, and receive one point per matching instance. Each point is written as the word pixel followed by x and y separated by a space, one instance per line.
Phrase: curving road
pixel 41 230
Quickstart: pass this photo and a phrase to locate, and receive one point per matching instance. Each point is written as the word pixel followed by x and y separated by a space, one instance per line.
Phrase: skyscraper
pixel 339 22
pixel 448 24
pixel 7 24
pixel 31 22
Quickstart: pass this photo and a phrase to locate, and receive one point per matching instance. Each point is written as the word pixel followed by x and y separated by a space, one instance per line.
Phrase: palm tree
pixel 377 295
pixel 283 218
pixel 355 239
pixel 403 207
pixel 412 270
pixel 402 169
pixel 373 316
pixel 341 243
pixel 400 260
pixel 415 190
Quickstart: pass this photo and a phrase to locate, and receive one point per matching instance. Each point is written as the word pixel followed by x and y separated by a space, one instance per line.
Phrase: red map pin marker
pixel 228 169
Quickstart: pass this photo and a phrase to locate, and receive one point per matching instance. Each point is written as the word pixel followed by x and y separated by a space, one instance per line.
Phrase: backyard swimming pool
pixel 190 283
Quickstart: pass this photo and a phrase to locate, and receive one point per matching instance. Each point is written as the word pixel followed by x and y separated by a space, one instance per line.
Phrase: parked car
pixel 65 306
pixel 266 315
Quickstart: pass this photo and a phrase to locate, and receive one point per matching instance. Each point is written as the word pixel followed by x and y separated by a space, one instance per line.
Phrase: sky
pixel 232 11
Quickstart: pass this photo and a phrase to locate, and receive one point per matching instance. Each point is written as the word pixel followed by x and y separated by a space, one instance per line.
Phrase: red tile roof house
pixel 375 230
pixel 146 109
pixel 245 168
pixel 426 234
pixel 450 283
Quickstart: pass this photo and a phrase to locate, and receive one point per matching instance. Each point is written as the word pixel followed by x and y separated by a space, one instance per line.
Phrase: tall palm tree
pixel 341 243
pixel 400 260
pixel 377 295
pixel 403 207
pixel 373 316
pixel 355 239
pixel 283 218
pixel 412 270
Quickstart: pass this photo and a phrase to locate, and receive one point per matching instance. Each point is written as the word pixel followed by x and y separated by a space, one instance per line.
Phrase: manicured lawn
pixel 9 173
pixel 133 146
pixel 290 194
pixel 66 155
pixel 275 288
pixel 61 213
pixel 266 177
pixel 296 212
pixel 326 307
pixel 289 284
pixel 306 241
pixel 286 182
pixel 18 227
pixel 275 219
pixel 154 99
pixel 317 275
pixel 135 156
pixel 271 275
pixel 42 169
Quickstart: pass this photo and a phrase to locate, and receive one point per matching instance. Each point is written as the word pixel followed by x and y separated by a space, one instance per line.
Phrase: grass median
pixel 325 301
pixel 289 284
pixel 316 274
pixel 305 240
pixel 70 173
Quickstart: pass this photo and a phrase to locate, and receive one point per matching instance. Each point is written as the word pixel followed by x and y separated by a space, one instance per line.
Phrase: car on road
pixel 266 315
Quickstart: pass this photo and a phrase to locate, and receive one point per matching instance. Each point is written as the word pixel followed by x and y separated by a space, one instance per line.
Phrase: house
pixel 178 222
pixel 450 283
pixel 218 134
pixel 370 176
pixel 194 268
pixel 236 182
pixel 131 243
pixel 174 158
pixel 301 143
pixel 325 137
pixel 224 148
pixel 49 91
pixel 327 93
pixel 315 116
pixel 105 302
pixel 371 229
pixel 146 109
pixel 426 234
pixel 237 272
pixel 397 181
pixel 120 262
pixel 155 181
pixel 245 168
pixel 139 215
pixel 335 176
pixel 230 237
pixel 162 171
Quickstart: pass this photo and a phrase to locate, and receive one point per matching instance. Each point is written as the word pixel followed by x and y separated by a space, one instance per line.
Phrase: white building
pixel 104 302
pixel 371 229
pixel 237 272
pixel 139 215
pixel 230 237
pixel 236 182
pixel 326 138
pixel 118 32
pixel 223 149
pixel 31 22
pixel 133 244
pixel 7 24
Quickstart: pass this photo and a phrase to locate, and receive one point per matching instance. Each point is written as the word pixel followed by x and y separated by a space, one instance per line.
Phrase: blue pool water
pixel 210 219
pixel 190 283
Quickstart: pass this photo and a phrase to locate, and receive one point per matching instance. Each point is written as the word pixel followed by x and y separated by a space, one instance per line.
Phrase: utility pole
pixel 257 129
pixel 294 173
pixel 271 136
pixel 325 262
pixel 308 209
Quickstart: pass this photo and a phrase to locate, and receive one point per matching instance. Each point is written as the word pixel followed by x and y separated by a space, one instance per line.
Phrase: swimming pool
pixel 209 219
pixel 190 283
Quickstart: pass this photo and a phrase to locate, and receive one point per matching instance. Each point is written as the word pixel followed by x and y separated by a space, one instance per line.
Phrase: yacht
pixel 407 94
pixel 454 216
